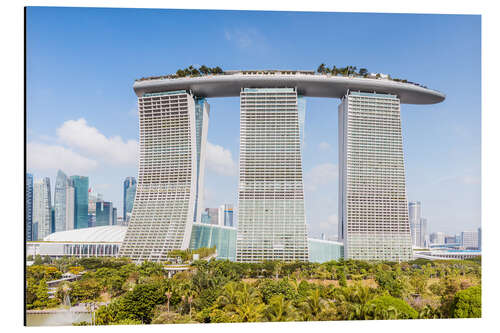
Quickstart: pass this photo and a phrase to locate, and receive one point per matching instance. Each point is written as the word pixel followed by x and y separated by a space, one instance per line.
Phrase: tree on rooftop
pixel 321 68
pixel 204 70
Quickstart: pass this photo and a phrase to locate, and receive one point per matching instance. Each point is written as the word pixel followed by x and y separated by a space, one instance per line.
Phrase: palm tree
pixel 204 70
pixel 229 295
pixel 313 305
pixel 168 294
pixel 281 309
pixel 321 68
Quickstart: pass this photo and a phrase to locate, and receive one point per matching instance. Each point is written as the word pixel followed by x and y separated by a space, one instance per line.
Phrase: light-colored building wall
pixel 70 208
pixel 163 212
pixel 373 207
pixel 470 239
pixel 42 206
pixel 271 217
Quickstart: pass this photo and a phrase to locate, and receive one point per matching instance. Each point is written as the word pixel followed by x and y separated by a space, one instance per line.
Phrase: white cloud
pixel 78 134
pixel 324 146
pixel 220 160
pixel 321 174
pixel 246 39
pixel 45 157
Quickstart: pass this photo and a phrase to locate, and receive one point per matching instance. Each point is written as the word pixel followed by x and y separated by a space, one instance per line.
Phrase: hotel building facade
pixel 271 225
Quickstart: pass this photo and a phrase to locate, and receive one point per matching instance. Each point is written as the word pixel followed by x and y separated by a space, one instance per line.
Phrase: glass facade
pixel 323 250
pixel 103 213
pixel 129 189
pixel 81 185
pixel 201 112
pixel 29 207
pixel 209 235
pixel 60 201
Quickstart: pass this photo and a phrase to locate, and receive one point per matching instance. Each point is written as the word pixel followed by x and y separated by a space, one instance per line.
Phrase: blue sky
pixel 81 109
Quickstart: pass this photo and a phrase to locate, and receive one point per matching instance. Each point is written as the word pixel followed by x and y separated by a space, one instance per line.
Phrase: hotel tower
pixel 373 210
pixel 173 134
pixel 271 218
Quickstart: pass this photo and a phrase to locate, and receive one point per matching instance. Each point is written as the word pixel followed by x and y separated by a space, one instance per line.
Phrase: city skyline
pixel 448 187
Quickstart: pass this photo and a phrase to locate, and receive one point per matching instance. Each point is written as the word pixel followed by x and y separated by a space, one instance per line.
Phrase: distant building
pixel 129 189
pixel 81 185
pixel 228 215
pixel 450 240
pixel 42 207
pixel 479 245
pixel 104 213
pixel 437 238
pixel 29 207
pixel 223 215
pixel 62 205
pixel 470 239
pixel 92 220
pixel 114 218
pixel 70 207
pixel 93 198
pixel 52 220
pixel 418 225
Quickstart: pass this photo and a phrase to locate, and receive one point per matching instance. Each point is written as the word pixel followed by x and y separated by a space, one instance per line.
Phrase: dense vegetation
pixel 190 71
pixel 352 70
pixel 223 291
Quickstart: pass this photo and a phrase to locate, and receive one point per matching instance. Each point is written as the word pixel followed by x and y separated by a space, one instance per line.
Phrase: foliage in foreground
pixel 223 291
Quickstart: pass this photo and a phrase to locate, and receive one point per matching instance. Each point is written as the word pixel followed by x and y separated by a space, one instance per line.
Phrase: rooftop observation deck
pixel 307 83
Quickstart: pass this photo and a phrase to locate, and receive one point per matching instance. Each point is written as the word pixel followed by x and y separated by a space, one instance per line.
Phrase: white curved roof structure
pixel 106 234
pixel 307 84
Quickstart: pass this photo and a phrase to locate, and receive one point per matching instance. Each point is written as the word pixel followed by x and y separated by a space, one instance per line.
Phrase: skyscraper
pixel 29 207
pixel 63 189
pixel 115 218
pixel 129 188
pixel 103 214
pixel 42 207
pixel 373 209
pixel 228 214
pixel 170 178
pixel 414 216
pixel 70 207
pixel 271 218
pixel 81 185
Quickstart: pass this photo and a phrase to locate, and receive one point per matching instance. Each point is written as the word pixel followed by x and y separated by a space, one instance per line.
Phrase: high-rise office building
pixel 170 181
pixel 42 207
pixel 129 189
pixel 104 213
pixel 29 207
pixel 437 238
pixel 62 205
pixel 418 225
pixel 470 239
pixel 227 210
pixel 271 217
pixel 69 207
pixel 373 209
pixel 52 220
pixel 114 219
pixel 81 185
pixel 414 216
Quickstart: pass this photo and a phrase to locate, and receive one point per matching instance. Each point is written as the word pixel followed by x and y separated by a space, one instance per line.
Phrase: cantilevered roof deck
pixel 307 84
